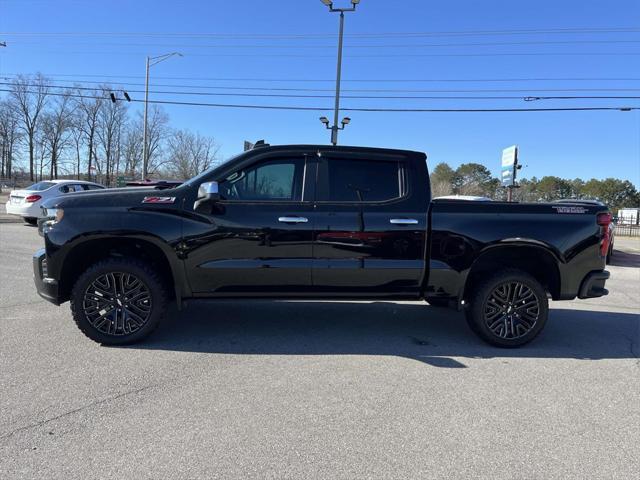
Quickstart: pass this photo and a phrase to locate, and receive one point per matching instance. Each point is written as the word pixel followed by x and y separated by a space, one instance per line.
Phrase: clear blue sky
pixel 568 144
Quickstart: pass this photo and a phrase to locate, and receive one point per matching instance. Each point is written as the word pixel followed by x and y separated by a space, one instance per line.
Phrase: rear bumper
pixel 24 209
pixel 47 287
pixel 593 285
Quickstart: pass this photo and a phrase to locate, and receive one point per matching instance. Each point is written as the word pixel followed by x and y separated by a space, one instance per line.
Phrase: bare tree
pixel 56 126
pixel 111 120
pixel 190 154
pixel 89 106
pixel 157 132
pixel 9 136
pixel 132 148
pixel 77 136
pixel 39 153
pixel 441 188
pixel 30 96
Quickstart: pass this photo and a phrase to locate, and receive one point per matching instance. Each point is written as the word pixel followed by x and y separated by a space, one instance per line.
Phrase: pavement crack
pixel 632 349
pixel 73 411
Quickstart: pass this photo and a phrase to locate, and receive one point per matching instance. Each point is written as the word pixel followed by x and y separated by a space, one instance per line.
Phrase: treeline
pixel 476 179
pixel 45 133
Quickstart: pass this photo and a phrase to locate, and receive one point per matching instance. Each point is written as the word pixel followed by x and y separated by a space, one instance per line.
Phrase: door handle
pixel 404 221
pixel 293 219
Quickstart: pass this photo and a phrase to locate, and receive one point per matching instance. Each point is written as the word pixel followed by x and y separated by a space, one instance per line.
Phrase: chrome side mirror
pixel 207 195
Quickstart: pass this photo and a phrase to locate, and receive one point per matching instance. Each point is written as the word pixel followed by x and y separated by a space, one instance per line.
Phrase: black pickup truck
pixel 311 221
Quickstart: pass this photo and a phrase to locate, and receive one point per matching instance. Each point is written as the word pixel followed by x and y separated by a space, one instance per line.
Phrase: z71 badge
pixel 159 200
pixel 570 209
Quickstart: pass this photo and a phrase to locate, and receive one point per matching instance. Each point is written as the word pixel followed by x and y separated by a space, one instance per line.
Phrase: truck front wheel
pixel 118 301
pixel 508 309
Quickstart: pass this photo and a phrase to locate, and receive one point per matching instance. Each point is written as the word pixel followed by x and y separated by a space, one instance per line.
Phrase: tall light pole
pixel 336 109
pixel 151 61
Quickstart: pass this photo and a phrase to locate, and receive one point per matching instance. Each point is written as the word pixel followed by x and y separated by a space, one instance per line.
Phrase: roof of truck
pixel 331 148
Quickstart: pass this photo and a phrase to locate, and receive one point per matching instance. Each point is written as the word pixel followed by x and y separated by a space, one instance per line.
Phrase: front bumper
pixel 47 287
pixel 593 285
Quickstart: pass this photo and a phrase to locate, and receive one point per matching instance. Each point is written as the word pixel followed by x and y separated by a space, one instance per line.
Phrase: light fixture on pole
pixel 151 61
pixel 345 121
pixel 336 109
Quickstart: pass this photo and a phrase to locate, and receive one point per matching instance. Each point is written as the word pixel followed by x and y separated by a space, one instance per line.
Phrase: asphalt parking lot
pixel 318 389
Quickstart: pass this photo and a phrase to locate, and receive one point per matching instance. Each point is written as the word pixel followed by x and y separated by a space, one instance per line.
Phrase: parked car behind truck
pixel 316 221
pixel 27 203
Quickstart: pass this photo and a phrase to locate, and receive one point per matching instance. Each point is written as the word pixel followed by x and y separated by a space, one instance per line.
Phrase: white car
pixel 26 203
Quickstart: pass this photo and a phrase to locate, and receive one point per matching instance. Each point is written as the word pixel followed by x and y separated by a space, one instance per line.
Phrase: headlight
pixel 54 214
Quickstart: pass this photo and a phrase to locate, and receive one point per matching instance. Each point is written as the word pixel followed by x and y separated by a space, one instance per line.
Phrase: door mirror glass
pixel 207 196
pixel 208 190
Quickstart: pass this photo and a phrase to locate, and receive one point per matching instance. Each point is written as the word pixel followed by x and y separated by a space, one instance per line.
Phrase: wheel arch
pixel 93 249
pixel 535 259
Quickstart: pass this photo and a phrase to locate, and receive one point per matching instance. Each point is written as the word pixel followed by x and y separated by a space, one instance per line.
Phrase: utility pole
pixel 336 110
pixel 151 61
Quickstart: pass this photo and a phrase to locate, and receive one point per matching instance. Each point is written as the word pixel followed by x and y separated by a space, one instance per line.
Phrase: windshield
pixel 195 180
pixel 38 187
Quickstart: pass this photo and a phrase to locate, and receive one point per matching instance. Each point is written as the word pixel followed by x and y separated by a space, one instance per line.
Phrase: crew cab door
pixel 371 223
pixel 259 238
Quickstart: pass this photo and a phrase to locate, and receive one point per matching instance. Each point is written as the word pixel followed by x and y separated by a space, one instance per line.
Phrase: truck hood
pixel 112 197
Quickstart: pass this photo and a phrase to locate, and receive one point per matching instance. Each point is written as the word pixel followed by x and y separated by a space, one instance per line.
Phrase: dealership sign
pixel 509 162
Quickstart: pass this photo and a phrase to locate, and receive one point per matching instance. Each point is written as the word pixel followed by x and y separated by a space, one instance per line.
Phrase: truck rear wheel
pixel 508 309
pixel 118 301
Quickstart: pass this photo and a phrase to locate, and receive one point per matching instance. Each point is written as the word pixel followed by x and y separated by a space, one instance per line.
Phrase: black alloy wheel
pixel 508 308
pixel 511 310
pixel 117 303
pixel 118 300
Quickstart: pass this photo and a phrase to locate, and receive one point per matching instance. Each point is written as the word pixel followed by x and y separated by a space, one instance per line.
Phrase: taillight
pixel 32 198
pixel 604 219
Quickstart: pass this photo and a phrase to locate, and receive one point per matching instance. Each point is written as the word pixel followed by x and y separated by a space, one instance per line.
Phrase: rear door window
pixel 346 180
pixel 70 188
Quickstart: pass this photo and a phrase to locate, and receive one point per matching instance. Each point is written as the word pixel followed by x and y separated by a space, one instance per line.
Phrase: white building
pixel 629 216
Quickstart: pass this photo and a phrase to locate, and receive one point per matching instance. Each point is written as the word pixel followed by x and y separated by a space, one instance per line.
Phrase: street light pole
pixel 336 109
pixel 144 128
pixel 151 61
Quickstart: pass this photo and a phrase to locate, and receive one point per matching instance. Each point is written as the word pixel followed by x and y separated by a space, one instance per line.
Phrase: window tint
pixel 271 180
pixel 88 186
pixel 38 187
pixel 70 188
pixel 358 180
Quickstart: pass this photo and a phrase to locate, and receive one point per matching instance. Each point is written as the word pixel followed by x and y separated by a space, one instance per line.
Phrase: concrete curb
pixel 10 219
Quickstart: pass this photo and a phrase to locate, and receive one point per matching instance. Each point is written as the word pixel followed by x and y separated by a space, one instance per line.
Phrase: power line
pixel 360 109
pixel 362 97
pixel 384 55
pixel 406 45
pixel 362 80
pixel 528 91
pixel 579 30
